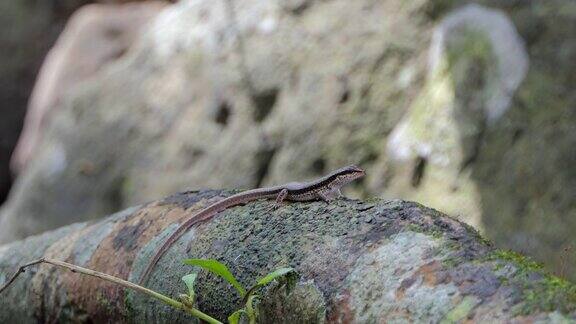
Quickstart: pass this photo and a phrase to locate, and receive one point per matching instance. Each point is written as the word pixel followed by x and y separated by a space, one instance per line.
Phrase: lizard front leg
pixel 323 196
pixel 329 195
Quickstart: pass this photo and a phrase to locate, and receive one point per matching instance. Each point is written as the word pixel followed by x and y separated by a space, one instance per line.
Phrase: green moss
pixel 523 263
pixel 414 228
pixel 483 240
pixel 433 232
pixel 451 262
pixel 547 294
pixel 462 310
pixel 475 46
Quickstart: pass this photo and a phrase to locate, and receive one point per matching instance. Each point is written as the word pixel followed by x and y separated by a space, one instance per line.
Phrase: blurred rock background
pixel 27 30
pixel 467 107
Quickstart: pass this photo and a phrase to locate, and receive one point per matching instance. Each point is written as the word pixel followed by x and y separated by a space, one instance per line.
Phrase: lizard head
pixel 349 173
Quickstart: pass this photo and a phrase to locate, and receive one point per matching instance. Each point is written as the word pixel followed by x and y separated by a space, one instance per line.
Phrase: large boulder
pixel 465 108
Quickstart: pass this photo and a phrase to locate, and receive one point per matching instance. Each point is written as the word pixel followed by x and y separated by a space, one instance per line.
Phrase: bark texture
pixel 359 261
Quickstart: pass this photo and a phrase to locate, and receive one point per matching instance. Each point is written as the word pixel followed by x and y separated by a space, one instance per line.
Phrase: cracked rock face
pixel 438 105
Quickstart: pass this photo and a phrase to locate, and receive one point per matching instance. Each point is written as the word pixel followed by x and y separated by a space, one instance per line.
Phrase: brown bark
pixel 358 261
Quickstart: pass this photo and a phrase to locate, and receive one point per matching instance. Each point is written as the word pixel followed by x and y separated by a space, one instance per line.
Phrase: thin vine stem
pixel 74 268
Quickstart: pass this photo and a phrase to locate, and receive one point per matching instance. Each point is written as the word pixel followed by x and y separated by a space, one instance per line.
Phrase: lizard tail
pixel 201 216
pixel 181 230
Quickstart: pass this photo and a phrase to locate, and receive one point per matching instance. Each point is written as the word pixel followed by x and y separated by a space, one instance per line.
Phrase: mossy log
pixel 359 261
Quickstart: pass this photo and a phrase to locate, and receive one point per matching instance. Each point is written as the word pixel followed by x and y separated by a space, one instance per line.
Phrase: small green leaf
pixel 219 269
pixel 274 275
pixel 235 317
pixel 189 281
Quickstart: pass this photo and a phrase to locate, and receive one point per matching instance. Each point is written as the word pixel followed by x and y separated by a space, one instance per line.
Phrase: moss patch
pixel 462 310
pixel 541 291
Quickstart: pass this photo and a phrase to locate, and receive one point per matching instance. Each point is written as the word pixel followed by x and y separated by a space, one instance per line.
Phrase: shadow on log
pixel 359 261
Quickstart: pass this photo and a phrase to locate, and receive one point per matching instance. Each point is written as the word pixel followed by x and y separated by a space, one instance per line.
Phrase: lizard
pixel 326 188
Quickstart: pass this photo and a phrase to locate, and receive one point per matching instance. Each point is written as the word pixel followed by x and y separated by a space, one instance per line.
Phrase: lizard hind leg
pixel 281 196
pixel 280 199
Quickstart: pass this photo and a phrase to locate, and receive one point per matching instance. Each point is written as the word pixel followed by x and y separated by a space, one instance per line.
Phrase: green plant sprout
pixel 250 298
